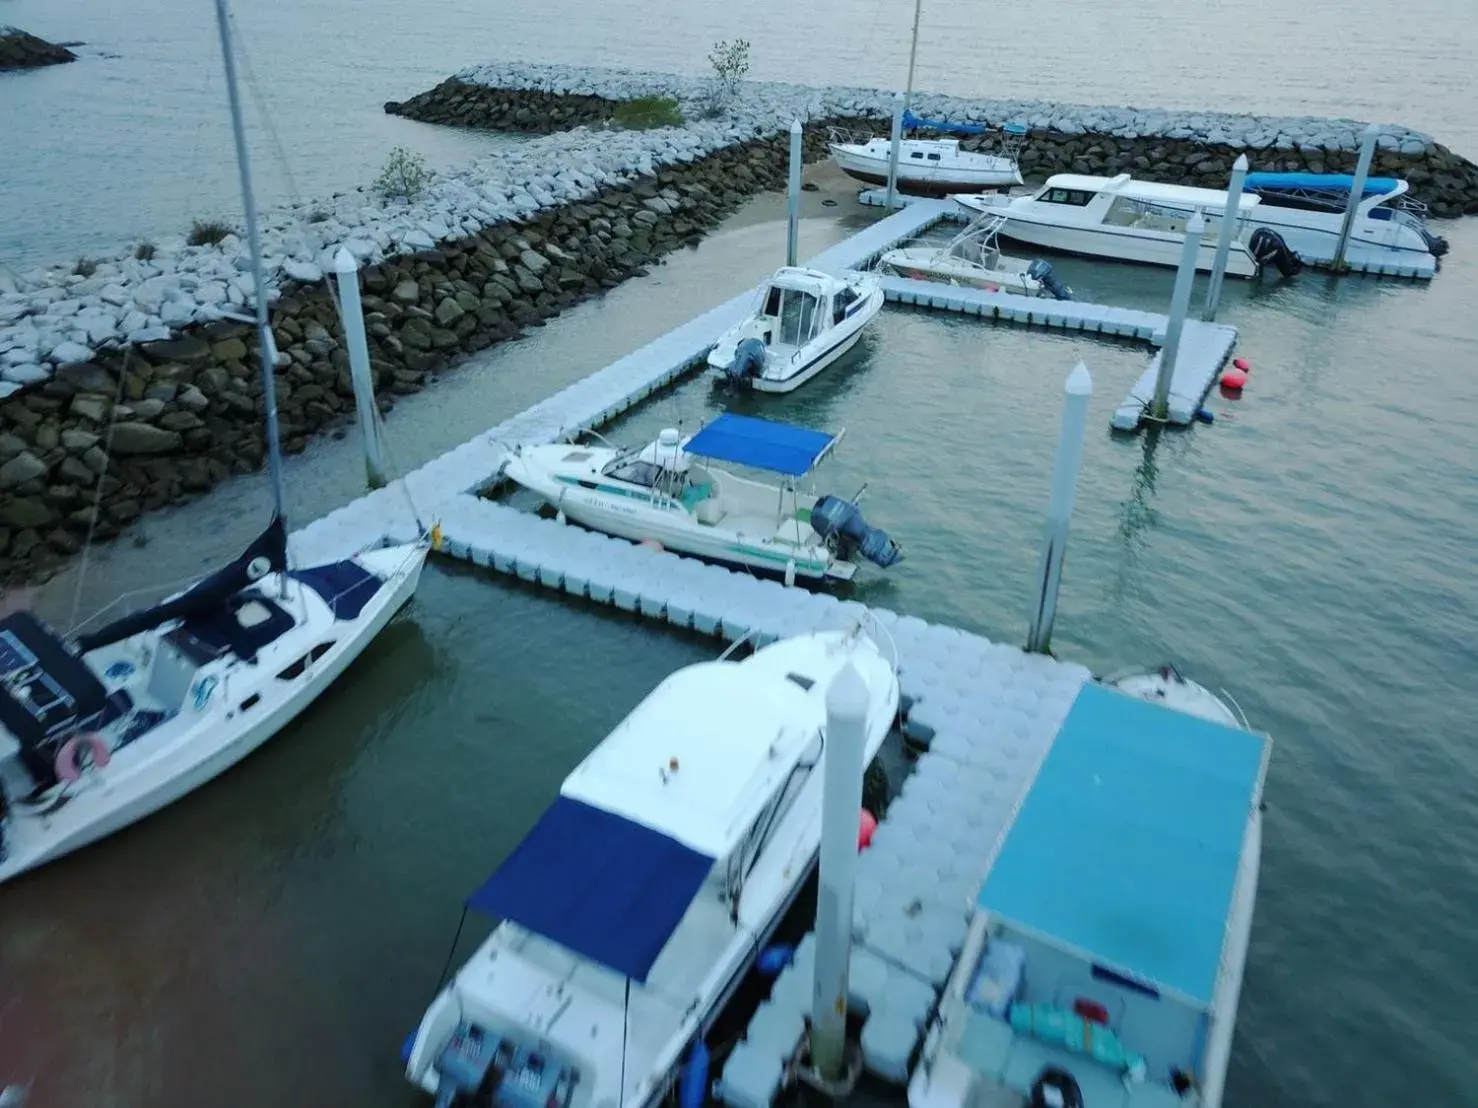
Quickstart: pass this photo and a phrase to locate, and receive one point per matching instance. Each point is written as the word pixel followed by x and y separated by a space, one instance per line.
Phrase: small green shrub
pixel 404 176
pixel 144 251
pixel 208 232
pixel 646 112
pixel 730 61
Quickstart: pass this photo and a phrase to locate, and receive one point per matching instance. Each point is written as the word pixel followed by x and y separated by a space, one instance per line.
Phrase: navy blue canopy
pixel 746 441
pixel 912 122
pixel 599 885
pixel 346 587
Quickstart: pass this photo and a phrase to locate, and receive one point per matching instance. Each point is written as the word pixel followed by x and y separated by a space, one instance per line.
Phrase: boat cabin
pixel 1105 942
pixel 799 304
pixel 1145 205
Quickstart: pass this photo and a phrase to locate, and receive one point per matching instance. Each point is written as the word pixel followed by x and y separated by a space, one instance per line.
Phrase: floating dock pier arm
pixel 1079 391
pixel 1180 301
pixel 1224 241
pixel 347 271
pixel 792 231
pixel 896 140
pixel 841 800
pixel 1357 193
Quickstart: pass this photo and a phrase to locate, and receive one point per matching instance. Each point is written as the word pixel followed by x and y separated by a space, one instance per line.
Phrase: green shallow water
pixel 272 938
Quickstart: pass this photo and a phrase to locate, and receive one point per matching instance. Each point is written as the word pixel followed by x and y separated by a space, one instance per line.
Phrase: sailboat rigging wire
pixel 97 496
pixel 625 1023
pixel 266 116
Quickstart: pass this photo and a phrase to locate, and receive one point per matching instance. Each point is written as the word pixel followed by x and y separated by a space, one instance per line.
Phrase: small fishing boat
pixel 1128 220
pixel 102 728
pixel 664 493
pixel 973 257
pixel 642 896
pixel 1168 686
pixel 803 321
pixel 1104 959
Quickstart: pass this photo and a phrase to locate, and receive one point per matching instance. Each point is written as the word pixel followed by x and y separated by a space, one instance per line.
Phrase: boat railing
pixel 839 136
pixel 876 630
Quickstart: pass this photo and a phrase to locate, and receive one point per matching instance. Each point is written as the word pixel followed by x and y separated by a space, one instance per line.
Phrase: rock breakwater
pixel 19 50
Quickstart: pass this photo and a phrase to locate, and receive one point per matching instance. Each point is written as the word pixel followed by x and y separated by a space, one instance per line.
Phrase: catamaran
pixel 633 909
pixel 664 493
pixel 1104 960
pixel 99 730
pixel 803 321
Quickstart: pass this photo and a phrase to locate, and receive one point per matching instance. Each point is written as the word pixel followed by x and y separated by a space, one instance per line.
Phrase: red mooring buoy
pixel 867 823
pixel 1233 379
pixel 1243 364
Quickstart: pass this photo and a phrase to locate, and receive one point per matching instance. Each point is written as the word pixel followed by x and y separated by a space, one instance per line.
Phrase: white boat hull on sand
pixel 241 710
pixel 940 169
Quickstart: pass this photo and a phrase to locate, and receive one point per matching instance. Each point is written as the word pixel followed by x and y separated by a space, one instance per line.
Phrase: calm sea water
pixel 271 938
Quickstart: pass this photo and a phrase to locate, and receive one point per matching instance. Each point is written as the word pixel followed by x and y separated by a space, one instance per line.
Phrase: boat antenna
pixel 913 52
pixel 266 347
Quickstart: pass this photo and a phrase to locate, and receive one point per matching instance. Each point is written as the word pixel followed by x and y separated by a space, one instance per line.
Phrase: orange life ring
pixel 67 765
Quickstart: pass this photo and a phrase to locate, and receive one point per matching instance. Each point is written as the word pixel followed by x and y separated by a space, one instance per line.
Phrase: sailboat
pixel 930 167
pixel 99 730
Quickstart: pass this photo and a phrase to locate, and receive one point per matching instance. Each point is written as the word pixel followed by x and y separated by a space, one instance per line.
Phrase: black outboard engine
pixel 1267 246
pixel 749 361
pixel 1435 243
pixel 1042 271
pixel 840 522
pixel 1055 1088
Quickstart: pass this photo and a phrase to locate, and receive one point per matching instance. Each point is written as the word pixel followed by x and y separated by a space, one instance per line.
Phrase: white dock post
pixel 347 270
pixel 1224 242
pixel 792 234
pixel 1079 390
pixel 841 801
pixel 1357 193
pixel 896 139
pixel 1180 300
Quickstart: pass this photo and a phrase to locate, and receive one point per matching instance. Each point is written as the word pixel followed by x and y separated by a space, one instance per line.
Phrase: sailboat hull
pixel 243 706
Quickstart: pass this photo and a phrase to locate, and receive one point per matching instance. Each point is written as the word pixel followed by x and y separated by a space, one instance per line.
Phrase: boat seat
pixel 710 510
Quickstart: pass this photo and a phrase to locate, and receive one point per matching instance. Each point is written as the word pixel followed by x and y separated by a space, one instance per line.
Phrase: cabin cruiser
pixel 1123 219
pixel 803 321
pixel 1104 959
pixel 973 258
pixel 926 167
pixel 100 731
pixel 635 906
pixel 665 493
pixel 1308 210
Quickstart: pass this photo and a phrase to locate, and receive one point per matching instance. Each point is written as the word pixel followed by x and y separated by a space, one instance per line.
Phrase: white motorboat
pixel 973 257
pixel 1120 218
pixel 1104 960
pixel 633 909
pixel 101 730
pixel 1168 686
pixel 664 493
pixel 803 321
pixel 1307 209
pixel 926 167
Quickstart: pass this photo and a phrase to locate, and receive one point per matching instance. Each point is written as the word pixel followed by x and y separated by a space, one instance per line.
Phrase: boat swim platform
pixel 1310 246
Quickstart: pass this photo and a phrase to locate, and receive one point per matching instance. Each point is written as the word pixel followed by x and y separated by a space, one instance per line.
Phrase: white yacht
pixel 1119 218
pixel 803 321
pixel 1307 209
pixel 665 493
pixel 926 167
pixel 973 258
pixel 1103 964
pixel 635 906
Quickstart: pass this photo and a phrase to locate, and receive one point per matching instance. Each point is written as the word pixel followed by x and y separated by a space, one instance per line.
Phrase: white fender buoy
pixel 559 516
pixel 790 572
pixel 68 766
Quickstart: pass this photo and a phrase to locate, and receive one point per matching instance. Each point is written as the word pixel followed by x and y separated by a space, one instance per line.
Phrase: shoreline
pixel 130 350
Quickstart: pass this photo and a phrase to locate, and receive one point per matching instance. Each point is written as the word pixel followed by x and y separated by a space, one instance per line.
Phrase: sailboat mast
pixel 266 347
pixel 913 52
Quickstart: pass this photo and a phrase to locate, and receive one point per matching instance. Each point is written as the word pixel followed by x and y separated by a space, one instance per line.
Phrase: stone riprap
pixel 19 50
pixel 486 250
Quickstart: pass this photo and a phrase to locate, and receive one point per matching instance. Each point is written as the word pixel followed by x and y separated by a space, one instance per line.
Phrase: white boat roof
pixel 1154 192
pixel 732 731
pixel 802 279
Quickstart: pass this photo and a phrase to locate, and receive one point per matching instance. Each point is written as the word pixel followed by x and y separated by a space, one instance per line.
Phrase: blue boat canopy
pixel 912 122
pixel 777 447
pixel 1316 182
pixel 601 886
pixel 1128 844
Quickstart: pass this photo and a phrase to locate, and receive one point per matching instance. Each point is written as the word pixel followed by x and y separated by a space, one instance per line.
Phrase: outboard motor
pixel 1042 271
pixel 1055 1088
pixel 1267 246
pixel 1435 243
pixel 840 522
pixel 749 361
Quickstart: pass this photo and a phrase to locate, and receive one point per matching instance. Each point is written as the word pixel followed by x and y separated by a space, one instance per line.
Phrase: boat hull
pixel 938 182
pixel 924 265
pixel 819 354
pixel 213 745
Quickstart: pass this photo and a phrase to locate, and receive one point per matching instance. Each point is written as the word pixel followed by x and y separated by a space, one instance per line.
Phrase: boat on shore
pixel 634 908
pixel 973 258
pixel 1103 963
pixel 803 321
pixel 926 167
pixel 666 493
